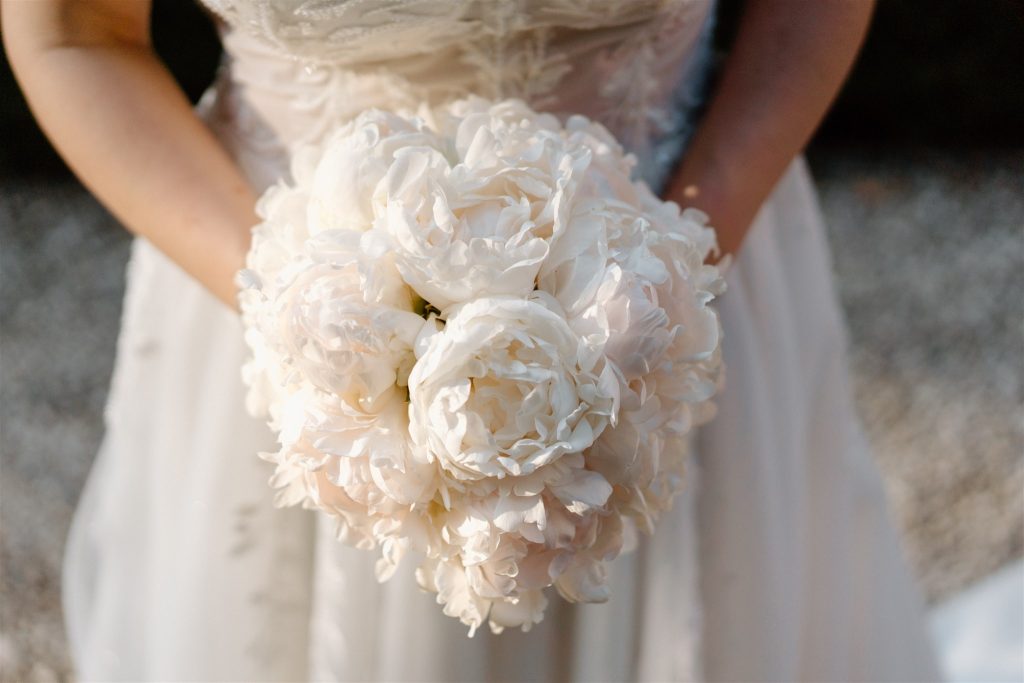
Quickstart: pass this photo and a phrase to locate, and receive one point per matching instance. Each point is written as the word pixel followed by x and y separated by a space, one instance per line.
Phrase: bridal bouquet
pixel 479 341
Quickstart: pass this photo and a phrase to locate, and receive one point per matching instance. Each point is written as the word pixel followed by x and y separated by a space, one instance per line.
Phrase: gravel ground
pixel 929 254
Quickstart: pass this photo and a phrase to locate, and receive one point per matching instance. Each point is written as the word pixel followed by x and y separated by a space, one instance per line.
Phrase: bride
pixel 779 562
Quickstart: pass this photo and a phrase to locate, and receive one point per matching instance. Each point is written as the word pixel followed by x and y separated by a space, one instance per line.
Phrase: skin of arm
pixel 116 115
pixel 786 66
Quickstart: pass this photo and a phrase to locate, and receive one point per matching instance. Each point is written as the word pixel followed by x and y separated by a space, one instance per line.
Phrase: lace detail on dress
pixel 300 67
pixel 363 31
pixel 514 61
pixel 345 31
pixel 677 119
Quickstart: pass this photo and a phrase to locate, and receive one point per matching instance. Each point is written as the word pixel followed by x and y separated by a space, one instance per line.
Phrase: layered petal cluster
pixel 480 342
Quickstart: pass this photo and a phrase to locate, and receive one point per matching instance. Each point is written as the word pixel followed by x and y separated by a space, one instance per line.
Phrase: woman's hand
pixel 126 129
pixel 788 62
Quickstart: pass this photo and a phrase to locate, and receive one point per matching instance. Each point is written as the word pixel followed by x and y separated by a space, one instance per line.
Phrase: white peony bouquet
pixel 481 342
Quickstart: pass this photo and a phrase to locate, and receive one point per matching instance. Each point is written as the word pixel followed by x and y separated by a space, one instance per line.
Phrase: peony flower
pixel 506 387
pixel 480 343
pixel 480 220
pixel 347 321
pixel 344 176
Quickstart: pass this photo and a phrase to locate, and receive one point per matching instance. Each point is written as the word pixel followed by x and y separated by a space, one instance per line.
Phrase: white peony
pixel 345 175
pixel 482 343
pixel 506 387
pixel 481 220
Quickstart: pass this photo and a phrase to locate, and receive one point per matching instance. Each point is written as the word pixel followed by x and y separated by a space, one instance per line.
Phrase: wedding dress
pixel 778 562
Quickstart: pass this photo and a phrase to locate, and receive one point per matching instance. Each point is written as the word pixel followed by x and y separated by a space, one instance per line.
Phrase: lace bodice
pixel 295 68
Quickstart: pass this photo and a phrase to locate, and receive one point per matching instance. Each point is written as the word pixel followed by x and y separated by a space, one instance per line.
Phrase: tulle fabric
pixel 802 573
pixel 779 561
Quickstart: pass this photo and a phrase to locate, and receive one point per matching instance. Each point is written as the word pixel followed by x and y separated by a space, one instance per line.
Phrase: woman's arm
pixel 787 64
pixel 126 129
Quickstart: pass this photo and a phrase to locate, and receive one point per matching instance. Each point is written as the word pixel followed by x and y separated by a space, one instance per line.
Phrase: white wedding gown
pixel 779 562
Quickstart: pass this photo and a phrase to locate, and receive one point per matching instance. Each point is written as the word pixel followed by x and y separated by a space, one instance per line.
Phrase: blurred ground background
pixel 920 169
